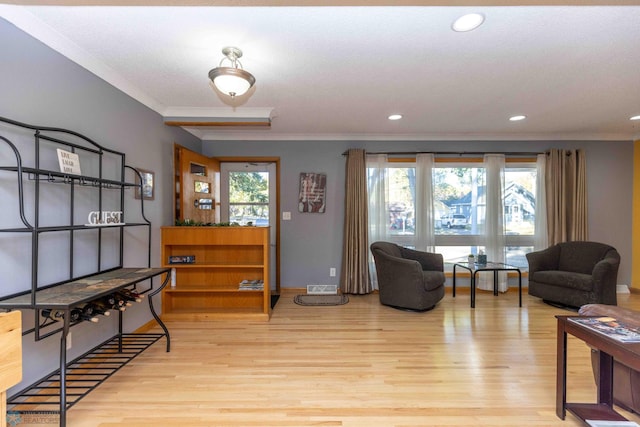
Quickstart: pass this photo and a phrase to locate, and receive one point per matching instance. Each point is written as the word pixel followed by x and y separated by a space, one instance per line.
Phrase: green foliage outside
pixel 248 195
pixel 248 187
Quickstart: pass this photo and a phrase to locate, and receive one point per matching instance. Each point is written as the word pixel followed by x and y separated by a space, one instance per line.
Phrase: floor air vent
pixel 322 289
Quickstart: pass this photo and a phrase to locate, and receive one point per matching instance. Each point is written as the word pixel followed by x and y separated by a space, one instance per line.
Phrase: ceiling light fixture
pixel 232 81
pixel 634 118
pixel 468 22
pixel 395 117
pixel 517 118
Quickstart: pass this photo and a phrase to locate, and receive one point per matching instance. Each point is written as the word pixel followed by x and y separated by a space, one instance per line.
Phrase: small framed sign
pixel 201 187
pixel 313 187
pixel 146 188
pixel 69 162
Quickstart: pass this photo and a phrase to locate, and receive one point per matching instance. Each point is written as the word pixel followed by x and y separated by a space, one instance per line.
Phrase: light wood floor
pixel 360 364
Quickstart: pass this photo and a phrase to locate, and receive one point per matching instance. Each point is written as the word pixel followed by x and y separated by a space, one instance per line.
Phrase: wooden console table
pixel 610 349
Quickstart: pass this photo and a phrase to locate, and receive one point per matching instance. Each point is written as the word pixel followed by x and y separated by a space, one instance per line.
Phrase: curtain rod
pixel 450 153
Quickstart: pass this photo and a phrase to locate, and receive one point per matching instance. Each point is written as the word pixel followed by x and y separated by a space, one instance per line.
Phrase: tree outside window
pixel 249 198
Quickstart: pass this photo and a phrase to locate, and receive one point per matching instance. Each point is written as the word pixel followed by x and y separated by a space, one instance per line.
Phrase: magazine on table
pixel 606 423
pixel 611 327
pixel 251 285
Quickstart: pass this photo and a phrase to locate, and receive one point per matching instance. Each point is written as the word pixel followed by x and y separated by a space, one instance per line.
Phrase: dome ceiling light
pixel 232 81
pixel 468 22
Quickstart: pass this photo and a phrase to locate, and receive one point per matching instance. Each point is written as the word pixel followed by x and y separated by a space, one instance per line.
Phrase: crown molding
pixel 27 22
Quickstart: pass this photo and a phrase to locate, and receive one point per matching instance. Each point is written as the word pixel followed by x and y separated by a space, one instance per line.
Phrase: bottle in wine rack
pixel 77 314
pixel 111 302
pixel 57 315
pixel 134 294
pixel 99 307
pixel 94 308
pixel 129 295
pixel 121 300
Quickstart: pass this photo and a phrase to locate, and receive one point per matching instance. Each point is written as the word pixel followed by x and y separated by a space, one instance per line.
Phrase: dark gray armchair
pixel 408 279
pixel 574 273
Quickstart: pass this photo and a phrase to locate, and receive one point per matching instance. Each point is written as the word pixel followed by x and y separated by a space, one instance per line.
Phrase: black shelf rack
pixel 82 375
pixel 100 187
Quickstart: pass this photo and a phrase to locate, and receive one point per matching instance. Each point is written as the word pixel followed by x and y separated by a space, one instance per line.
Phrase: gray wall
pixel 39 86
pixel 312 243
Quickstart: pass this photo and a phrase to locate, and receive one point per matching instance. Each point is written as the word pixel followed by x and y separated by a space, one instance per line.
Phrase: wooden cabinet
pixel 209 287
pixel 10 357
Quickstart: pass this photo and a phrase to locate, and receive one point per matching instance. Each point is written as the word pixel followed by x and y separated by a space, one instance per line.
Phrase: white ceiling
pixel 337 72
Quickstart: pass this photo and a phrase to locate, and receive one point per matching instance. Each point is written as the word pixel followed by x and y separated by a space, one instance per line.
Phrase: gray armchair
pixel 574 273
pixel 408 279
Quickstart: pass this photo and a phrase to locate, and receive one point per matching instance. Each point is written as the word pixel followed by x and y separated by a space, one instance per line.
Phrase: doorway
pixel 249 195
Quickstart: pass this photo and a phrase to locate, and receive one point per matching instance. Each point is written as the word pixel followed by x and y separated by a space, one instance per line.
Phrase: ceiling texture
pixel 337 70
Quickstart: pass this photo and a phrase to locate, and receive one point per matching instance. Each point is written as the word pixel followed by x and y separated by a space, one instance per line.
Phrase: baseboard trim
pixel 146 327
pixel 622 289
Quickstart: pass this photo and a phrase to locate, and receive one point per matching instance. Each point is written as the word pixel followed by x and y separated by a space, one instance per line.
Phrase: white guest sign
pixel 69 162
pixel 105 218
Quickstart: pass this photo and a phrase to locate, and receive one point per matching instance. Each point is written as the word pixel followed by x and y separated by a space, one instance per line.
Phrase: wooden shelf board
pixel 200 289
pixel 594 411
pixel 202 314
pixel 203 265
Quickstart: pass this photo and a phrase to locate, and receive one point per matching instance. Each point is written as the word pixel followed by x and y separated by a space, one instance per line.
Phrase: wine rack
pixel 71 173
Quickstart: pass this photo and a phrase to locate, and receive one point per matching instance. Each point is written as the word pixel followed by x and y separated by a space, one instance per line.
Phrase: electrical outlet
pixel 69 341
pixel 332 272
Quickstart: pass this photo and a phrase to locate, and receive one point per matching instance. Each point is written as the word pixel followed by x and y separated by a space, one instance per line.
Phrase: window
pixel 519 212
pixel 249 197
pixel 459 204
pixel 460 207
pixel 402 195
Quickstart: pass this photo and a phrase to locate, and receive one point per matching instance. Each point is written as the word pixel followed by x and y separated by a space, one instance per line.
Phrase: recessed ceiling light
pixel 468 22
pixel 517 118
pixel 634 118
pixel 395 117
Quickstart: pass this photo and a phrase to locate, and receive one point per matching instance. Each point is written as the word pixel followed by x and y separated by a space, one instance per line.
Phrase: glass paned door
pixel 248 195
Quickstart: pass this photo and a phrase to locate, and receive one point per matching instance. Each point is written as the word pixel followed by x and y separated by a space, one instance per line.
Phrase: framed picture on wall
pixel 201 187
pixel 313 187
pixel 148 185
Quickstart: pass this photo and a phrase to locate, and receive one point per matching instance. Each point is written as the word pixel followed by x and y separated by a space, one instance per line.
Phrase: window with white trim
pixel 459 205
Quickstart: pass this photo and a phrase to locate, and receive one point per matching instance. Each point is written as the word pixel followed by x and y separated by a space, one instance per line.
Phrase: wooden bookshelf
pixel 208 288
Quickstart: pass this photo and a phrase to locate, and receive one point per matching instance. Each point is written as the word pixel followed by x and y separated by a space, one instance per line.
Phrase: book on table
pixel 611 327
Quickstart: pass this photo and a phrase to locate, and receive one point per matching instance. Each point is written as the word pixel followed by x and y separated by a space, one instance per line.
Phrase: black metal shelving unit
pixel 100 187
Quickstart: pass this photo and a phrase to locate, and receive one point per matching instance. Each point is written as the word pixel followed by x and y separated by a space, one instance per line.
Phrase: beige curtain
pixel 566 186
pixel 355 248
